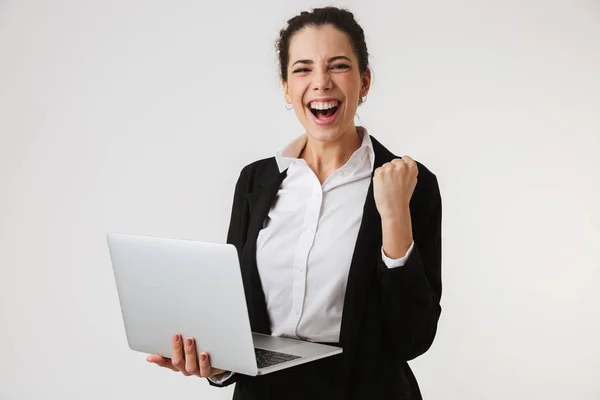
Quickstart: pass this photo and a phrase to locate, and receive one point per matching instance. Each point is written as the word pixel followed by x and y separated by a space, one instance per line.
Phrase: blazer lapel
pixel 363 265
pixel 260 201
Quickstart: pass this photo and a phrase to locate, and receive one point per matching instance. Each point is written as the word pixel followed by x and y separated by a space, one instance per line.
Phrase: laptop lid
pixel 169 286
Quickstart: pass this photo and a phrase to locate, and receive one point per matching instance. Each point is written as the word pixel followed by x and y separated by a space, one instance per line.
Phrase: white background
pixel 138 116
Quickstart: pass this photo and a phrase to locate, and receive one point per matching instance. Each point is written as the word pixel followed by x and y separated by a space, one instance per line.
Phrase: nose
pixel 322 80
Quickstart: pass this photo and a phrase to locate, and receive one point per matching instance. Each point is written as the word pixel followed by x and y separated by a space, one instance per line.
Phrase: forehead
pixel 318 43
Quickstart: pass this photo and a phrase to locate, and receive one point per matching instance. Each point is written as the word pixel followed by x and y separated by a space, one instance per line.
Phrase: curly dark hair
pixel 340 18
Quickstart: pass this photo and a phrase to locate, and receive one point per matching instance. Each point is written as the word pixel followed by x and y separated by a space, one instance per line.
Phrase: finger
pixel 161 361
pixel 399 163
pixel 410 162
pixel 377 172
pixel 384 169
pixel 205 369
pixel 191 358
pixel 177 354
pixel 413 167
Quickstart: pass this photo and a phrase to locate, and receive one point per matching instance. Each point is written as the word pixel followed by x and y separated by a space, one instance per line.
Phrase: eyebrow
pixel 332 59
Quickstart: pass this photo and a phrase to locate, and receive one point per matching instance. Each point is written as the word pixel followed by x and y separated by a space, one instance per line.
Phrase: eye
pixel 340 66
pixel 301 70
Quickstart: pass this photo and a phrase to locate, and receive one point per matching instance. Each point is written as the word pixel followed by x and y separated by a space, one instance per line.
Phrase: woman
pixel 338 241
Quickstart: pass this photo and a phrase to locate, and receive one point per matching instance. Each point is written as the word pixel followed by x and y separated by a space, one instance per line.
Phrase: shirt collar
pixel 290 153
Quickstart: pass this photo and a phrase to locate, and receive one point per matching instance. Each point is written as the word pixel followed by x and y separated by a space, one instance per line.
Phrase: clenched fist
pixel 393 186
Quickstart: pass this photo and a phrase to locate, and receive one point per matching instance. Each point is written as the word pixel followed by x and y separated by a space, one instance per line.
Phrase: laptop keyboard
pixel 268 358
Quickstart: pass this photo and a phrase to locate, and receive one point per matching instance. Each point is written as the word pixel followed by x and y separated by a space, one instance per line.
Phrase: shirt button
pixel 310 231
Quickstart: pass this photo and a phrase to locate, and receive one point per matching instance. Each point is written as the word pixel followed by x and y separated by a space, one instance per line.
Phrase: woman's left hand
pixel 185 359
pixel 393 186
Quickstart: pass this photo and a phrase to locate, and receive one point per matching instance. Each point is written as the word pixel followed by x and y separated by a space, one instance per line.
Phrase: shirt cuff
pixel 391 263
pixel 218 379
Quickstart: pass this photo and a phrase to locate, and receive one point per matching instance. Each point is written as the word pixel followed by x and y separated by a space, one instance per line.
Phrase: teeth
pixel 320 105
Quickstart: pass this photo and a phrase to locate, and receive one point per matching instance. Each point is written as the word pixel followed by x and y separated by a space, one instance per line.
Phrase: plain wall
pixel 138 116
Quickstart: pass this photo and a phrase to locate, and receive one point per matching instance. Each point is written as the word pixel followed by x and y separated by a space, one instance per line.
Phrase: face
pixel 324 82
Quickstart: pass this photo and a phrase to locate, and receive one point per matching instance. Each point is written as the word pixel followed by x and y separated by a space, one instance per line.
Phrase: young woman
pixel 339 239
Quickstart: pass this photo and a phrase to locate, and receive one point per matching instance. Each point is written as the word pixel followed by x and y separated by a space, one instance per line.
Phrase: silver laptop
pixel 169 286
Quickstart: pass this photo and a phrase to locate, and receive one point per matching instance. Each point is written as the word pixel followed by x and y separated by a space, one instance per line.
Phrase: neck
pixel 326 157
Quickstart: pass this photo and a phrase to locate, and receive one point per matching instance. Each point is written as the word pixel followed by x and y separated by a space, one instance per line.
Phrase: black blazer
pixel 390 316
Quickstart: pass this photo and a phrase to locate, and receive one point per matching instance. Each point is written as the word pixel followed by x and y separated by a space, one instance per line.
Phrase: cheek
pixel 351 92
pixel 351 108
pixel 296 89
pixel 353 89
pixel 297 95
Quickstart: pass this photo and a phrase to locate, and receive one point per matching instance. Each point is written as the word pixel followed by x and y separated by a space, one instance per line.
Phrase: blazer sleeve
pixel 236 235
pixel 410 294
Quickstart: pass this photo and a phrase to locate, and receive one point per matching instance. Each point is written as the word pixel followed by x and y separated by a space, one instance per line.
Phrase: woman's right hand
pixel 185 359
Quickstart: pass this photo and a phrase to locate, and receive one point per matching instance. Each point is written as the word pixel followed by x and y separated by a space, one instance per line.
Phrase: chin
pixel 322 134
pixel 329 133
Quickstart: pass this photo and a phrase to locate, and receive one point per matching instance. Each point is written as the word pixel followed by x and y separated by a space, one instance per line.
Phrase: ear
pixel 365 82
pixel 286 92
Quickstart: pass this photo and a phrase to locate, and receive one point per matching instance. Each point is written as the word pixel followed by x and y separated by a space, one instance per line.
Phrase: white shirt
pixel 306 245
pixel 305 248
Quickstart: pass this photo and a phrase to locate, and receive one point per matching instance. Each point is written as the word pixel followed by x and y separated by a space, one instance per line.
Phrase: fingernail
pixel 203 357
pixel 176 338
pixel 188 342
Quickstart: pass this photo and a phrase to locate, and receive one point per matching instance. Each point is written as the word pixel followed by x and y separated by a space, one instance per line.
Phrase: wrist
pixel 395 219
pixel 397 235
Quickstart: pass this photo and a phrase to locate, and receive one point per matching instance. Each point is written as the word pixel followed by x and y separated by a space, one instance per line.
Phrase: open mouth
pixel 324 112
